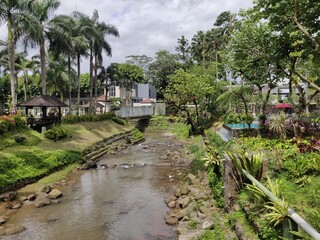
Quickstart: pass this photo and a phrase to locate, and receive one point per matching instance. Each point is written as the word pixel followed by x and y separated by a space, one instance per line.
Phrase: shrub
pixel 57 132
pixel 11 122
pixel 19 138
pixel 92 118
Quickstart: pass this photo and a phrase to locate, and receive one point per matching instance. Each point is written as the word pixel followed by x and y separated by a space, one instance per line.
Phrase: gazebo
pixel 43 102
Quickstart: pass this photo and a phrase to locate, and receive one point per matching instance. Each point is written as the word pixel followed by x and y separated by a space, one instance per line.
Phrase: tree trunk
pixel 25 86
pixel 69 76
pixel 91 80
pixel 11 67
pixel 95 81
pixel 43 68
pixel 78 72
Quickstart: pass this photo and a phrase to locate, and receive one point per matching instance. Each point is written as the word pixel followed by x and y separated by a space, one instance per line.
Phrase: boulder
pixel 46 189
pixel 191 176
pixel 31 197
pixel 208 223
pixel 3 220
pixel 8 197
pixel 17 206
pixel 54 194
pixel 139 164
pixel 183 202
pixel 172 204
pixel 195 181
pixel 177 192
pixel 11 230
pixel 205 210
pixel 186 211
pixel 169 199
pixel 88 164
pixel 171 220
pixel 201 195
pixel 191 235
pixel 42 200
pixel 23 198
pixel 184 189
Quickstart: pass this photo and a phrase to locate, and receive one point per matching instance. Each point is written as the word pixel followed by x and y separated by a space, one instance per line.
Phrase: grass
pixel 84 134
pixel 38 156
pixel 48 180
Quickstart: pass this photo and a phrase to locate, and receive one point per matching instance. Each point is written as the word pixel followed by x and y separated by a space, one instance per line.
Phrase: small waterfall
pixel 225 134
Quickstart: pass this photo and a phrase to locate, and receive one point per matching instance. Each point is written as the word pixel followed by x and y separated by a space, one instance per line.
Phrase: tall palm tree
pixel 36 29
pixel 100 45
pixel 10 10
pixel 95 32
pixel 25 65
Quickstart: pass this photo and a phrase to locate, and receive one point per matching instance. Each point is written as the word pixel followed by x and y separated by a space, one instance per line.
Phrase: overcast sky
pixel 147 26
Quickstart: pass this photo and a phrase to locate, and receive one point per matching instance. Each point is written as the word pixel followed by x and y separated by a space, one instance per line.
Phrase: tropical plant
pixel 278 124
pixel 12 12
pixel 37 28
pixel 252 164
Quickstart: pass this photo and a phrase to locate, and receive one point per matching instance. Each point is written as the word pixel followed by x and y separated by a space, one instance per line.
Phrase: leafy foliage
pixel 56 133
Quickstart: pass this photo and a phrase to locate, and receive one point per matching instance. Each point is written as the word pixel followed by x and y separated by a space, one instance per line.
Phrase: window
pixel 112 91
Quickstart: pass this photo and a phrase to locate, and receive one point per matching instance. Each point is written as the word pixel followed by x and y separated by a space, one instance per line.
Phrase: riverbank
pixel 127 189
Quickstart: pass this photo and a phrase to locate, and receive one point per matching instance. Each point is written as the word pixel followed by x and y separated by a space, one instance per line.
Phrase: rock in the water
pixel 139 164
pixel 31 197
pixel 187 211
pixel 46 189
pixel 208 224
pixel 11 230
pixel 23 198
pixel 17 206
pixel 55 194
pixel 169 199
pixel 8 197
pixel 42 200
pixel 88 164
pixel 171 220
pixel 3 220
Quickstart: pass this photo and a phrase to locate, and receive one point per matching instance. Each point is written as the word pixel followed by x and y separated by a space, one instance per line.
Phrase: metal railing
pixel 291 213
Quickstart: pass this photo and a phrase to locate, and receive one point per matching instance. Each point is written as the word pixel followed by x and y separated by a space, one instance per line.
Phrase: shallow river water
pixel 113 203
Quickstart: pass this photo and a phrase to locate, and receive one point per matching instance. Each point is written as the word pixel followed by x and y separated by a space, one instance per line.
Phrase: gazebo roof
pixel 43 101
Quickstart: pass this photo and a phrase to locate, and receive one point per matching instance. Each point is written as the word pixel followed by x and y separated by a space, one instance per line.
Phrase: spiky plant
pixel 251 163
pixel 278 124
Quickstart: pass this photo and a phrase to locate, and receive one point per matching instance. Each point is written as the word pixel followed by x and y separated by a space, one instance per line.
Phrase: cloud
pixel 147 26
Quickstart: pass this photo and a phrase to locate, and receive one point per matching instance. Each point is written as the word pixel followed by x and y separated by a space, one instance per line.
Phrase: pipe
pixel 291 213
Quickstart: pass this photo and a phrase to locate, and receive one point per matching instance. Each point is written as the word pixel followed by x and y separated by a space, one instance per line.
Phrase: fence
pixel 135 112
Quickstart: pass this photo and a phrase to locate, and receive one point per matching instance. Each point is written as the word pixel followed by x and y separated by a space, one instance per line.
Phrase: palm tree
pixel 10 11
pixel 25 65
pixel 36 29
pixel 94 32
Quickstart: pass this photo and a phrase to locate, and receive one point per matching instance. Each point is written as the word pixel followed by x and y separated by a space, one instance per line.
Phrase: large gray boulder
pixel 42 200
pixel 55 194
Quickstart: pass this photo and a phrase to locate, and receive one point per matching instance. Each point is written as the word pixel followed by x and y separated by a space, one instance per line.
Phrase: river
pixel 113 203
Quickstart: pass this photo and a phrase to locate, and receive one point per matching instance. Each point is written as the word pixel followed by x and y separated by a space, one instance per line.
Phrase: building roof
pixel 147 100
pixel 43 101
pixel 103 98
pixel 88 105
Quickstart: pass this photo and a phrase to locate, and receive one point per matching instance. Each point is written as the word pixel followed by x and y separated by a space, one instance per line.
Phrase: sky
pixel 147 26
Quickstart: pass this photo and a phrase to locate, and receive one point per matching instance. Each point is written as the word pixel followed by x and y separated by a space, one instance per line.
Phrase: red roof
pixel 147 100
pixel 283 105
pixel 103 98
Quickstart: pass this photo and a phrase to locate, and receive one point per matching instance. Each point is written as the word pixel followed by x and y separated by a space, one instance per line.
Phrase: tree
pixel 127 74
pixel 142 61
pixel 35 30
pixel 10 12
pixel 236 94
pixel 25 65
pixel 251 55
pixel 183 49
pixel 193 87
pixel 160 70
